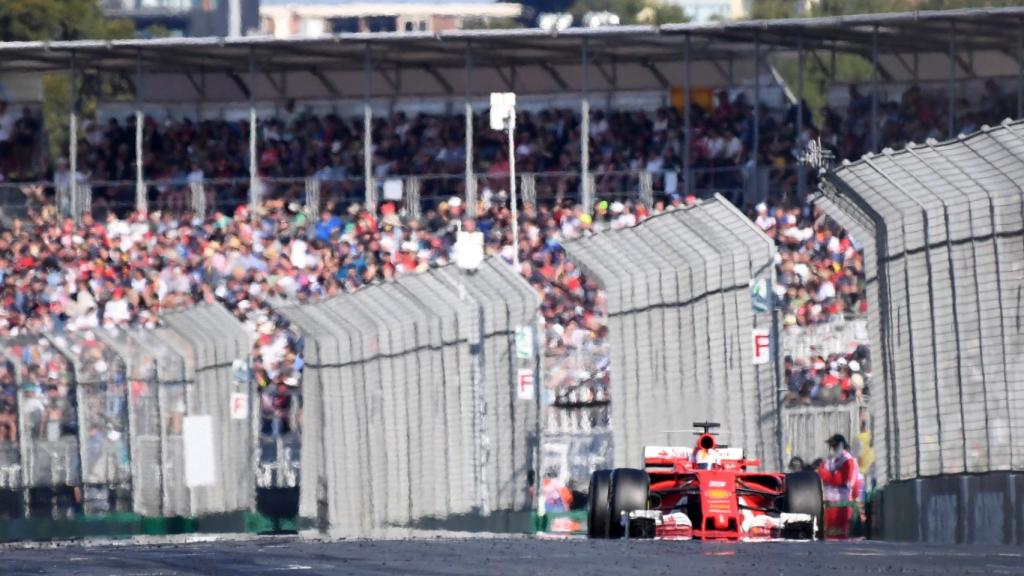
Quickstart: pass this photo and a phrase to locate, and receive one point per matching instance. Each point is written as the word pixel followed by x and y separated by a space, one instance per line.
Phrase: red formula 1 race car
pixel 704 492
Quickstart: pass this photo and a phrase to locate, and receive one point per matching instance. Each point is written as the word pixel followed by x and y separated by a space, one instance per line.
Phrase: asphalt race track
pixel 508 556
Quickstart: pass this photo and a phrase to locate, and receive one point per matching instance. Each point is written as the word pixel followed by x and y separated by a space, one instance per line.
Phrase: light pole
pixel 503 117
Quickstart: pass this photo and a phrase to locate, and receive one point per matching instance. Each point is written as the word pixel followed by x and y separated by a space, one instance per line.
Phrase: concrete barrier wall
pixel 956 509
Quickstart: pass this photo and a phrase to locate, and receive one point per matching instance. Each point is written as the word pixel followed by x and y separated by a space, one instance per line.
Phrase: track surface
pixel 510 556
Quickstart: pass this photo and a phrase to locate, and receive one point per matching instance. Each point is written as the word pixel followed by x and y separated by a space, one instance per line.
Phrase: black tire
pixel 629 491
pixel 804 496
pixel 598 504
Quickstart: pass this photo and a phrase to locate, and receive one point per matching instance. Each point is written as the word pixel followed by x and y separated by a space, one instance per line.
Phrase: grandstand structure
pixel 953 47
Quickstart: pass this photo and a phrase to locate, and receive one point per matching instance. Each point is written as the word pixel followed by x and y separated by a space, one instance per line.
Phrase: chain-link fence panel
pixel 618 293
pixel 278 384
pixel 390 403
pixel 660 237
pixel 452 378
pixel 101 390
pixel 220 349
pixel 748 304
pixel 680 327
pixel 410 393
pixel 838 336
pixel 947 220
pixel 175 370
pixel 864 226
pixel 140 371
pixel 409 326
pixel 687 252
pixel 939 407
pixel 509 331
pixel 805 429
pixel 729 406
pixel 371 404
pixel 325 356
pixel 48 420
pixel 11 472
pixel 1000 155
pixel 896 340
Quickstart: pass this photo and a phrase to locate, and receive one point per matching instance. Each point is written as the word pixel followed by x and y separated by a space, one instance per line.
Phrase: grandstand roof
pixel 988 43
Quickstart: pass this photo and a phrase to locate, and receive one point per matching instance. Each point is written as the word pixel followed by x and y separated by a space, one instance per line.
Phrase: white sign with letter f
pixel 762 346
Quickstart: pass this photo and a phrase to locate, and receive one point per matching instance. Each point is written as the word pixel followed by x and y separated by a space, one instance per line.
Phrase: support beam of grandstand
pixel 200 86
pixel 394 83
pixel 280 87
pixel 725 73
pixel 757 118
pixel 874 90
pixel 554 75
pixel 73 139
pixel 687 141
pixel 610 77
pixel 951 90
pixel 800 184
pixel 368 186
pixel 513 200
pixel 821 64
pixel 254 192
pixel 907 67
pixel 1020 72
pixel 242 86
pixel 966 65
pixel 140 185
pixel 656 73
pixel 585 190
pixel 470 152
pixel 325 82
pixel 444 84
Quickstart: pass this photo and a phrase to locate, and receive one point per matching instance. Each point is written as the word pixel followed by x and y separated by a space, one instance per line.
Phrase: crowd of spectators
pixel 830 379
pixel 122 268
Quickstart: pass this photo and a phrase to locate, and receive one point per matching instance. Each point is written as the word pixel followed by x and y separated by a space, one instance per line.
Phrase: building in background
pixel 709 10
pixel 712 10
pixel 290 18
pixel 188 17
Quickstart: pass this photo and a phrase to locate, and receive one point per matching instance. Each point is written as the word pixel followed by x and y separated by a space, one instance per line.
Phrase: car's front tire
pixel 804 496
pixel 599 504
pixel 629 491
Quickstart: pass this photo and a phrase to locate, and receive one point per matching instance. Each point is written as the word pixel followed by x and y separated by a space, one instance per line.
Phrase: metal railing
pixel 415 192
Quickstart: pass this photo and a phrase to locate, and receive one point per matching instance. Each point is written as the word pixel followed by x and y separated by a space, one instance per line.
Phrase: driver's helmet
pixel 705 459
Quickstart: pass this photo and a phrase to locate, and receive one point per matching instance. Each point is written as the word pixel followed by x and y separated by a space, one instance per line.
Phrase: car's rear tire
pixel 599 504
pixel 804 496
pixel 629 491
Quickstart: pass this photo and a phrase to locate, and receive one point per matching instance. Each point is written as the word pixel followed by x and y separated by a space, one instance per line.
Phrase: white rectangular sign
pixel 200 460
pixel 762 343
pixel 524 342
pixel 393 189
pixel 525 384
pixel 502 105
